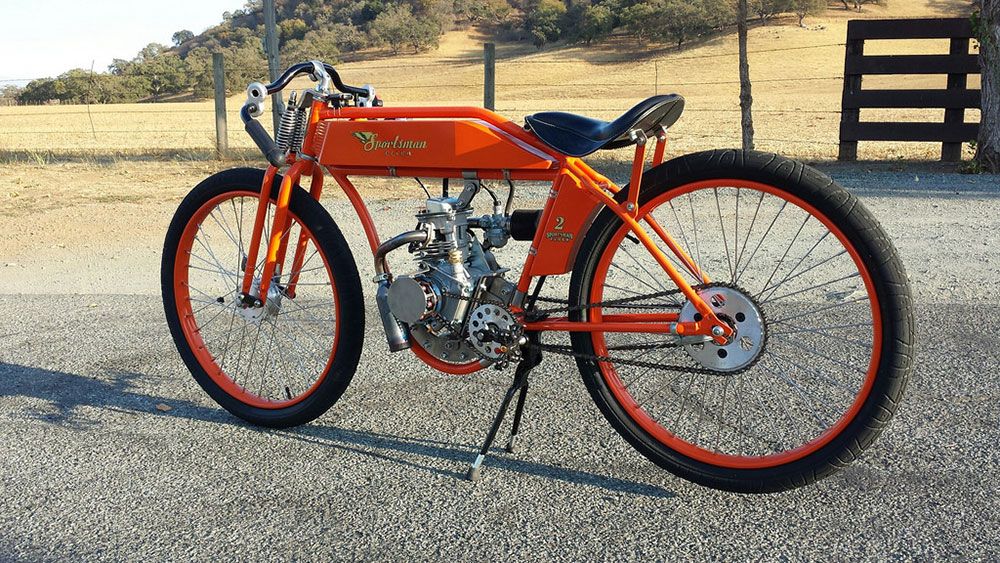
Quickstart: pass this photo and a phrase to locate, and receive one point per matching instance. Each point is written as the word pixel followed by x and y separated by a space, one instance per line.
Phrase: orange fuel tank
pixel 455 144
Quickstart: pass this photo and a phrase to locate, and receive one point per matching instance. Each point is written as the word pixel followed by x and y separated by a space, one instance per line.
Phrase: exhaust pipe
pixel 396 333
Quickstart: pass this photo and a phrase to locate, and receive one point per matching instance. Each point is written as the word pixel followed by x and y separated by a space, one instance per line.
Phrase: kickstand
pixel 532 357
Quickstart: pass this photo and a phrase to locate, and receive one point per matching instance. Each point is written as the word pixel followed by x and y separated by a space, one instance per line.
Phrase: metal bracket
pixel 631 206
pixel 661 145
pixel 472 187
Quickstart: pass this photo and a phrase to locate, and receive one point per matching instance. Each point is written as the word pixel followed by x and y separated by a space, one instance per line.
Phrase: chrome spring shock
pixel 289 137
pixel 301 126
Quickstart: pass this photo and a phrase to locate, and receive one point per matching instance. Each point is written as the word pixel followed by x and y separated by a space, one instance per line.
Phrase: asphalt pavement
pixel 110 451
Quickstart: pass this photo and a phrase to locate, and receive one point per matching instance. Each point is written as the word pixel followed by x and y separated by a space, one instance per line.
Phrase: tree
pixel 180 37
pixel 149 52
pixel 166 73
pixel 41 90
pixel 803 8
pixel 291 29
pixel 986 23
pixel 594 22
pixel 683 20
pixel 347 37
pixel 543 23
pixel 9 94
pixel 318 44
pixel 859 3
pixel 490 12
pixel 424 34
pixel 640 20
pixel 393 27
pixel 199 63
pixel 371 9
pixel 766 9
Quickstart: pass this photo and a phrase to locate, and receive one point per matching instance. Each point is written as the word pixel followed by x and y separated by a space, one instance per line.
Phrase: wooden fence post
pixel 273 62
pixel 221 131
pixel 489 76
pixel 952 152
pixel 852 85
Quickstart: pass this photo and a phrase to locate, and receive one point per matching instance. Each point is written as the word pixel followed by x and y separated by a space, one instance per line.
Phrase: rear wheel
pixel 280 365
pixel 817 297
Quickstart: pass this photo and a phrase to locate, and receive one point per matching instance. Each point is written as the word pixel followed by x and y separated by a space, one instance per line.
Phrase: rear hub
pixel 740 311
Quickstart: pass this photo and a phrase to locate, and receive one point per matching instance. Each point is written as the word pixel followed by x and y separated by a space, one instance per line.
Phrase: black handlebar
pixel 301 68
pixel 257 132
pixel 264 141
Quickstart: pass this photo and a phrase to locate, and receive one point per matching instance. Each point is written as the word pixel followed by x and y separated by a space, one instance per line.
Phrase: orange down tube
pixel 371 233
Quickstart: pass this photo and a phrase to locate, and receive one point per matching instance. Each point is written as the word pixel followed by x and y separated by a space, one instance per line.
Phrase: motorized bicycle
pixel 739 318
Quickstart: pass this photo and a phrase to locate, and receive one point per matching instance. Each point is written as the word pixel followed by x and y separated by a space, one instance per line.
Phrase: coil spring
pixel 292 127
pixel 301 123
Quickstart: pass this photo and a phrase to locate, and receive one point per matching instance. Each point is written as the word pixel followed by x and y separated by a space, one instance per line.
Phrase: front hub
pixel 741 312
pixel 271 307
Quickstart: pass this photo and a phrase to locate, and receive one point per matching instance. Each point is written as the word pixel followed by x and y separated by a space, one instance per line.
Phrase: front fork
pixel 277 246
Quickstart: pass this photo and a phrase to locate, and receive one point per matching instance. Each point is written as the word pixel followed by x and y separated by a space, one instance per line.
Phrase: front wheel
pixel 817 296
pixel 283 364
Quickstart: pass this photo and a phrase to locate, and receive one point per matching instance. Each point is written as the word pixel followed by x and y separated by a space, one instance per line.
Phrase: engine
pixel 454 304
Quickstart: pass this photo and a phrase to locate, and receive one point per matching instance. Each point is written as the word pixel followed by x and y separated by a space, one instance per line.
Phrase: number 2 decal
pixel 559 223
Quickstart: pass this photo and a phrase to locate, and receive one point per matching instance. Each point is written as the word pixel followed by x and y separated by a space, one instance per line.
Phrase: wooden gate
pixel 957 64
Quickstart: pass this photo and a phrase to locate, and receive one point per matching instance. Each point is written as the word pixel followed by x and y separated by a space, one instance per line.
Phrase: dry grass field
pixel 796 71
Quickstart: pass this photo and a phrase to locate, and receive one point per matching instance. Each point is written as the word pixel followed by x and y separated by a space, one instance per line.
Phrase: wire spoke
pixel 785 255
pixel 823 332
pixel 746 240
pixel 810 288
pixel 821 355
pixel 831 381
pixel 820 310
pixel 722 231
pixel 789 276
pixel 761 241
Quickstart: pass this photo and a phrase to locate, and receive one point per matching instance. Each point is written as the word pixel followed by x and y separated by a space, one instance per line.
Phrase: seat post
pixel 661 144
pixel 638 136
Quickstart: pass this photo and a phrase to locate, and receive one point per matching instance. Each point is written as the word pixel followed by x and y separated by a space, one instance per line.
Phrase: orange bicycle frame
pixel 469 142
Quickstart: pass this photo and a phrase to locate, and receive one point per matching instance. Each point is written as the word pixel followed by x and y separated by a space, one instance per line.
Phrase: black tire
pixel 293 362
pixel 829 364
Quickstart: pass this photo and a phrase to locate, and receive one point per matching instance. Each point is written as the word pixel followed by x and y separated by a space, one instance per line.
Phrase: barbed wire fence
pixel 195 128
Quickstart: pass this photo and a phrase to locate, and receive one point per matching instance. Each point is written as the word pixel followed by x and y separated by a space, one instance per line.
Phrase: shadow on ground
pixel 62 398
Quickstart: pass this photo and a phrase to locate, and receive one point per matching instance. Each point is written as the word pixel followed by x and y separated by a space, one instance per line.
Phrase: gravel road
pixel 92 469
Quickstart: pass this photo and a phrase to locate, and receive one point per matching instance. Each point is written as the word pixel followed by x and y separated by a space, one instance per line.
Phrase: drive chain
pixel 568 350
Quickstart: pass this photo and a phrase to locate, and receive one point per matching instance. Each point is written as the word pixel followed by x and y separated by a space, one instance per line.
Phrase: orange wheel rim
pixel 192 332
pixel 637 413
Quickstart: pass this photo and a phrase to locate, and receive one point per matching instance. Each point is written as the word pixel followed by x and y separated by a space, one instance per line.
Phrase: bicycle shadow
pixel 374 444
pixel 67 400
pixel 64 398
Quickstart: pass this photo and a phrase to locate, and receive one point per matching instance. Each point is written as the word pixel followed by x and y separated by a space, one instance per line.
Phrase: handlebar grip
pixel 264 142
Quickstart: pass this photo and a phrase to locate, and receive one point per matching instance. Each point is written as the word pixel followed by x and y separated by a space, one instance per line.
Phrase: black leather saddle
pixel 576 135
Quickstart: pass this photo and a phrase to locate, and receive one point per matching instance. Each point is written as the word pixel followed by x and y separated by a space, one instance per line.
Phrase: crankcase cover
pixel 410 299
